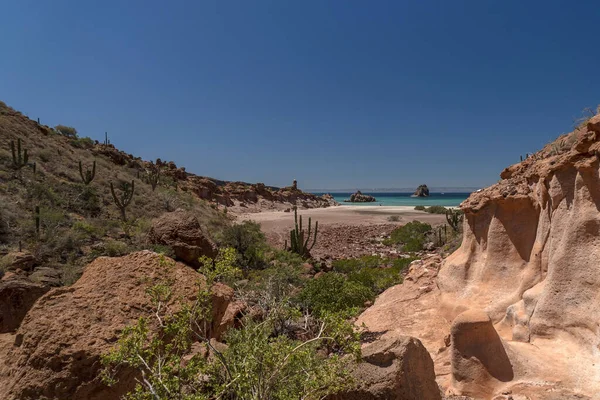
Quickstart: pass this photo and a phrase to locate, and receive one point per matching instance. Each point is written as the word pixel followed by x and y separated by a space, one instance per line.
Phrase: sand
pixel 343 215
pixel 344 231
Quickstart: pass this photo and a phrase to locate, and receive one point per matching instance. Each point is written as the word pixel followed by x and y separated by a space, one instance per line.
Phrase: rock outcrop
pixel 17 296
pixel 422 191
pixel 358 197
pixel 181 231
pixel 515 308
pixel 57 349
pixel 393 368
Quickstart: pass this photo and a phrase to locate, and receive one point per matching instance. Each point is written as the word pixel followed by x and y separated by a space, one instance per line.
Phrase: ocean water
pixel 405 199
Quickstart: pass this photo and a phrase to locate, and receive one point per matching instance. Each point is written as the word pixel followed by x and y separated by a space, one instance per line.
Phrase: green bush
pixel 412 236
pixel 393 218
pixel 334 292
pixel 248 241
pixel 373 272
pixel 114 248
pixel 67 131
pixel 420 208
pixel 436 210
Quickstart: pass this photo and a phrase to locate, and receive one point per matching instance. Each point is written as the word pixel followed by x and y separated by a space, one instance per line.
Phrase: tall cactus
pixel 153 176
pixel 454 218
pixel 299 240
pixel 19 158
pixel 89 175
pixel 124 199
pixel 37 221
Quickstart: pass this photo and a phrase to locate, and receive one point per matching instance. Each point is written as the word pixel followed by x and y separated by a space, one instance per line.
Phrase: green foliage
pixel 412 236
pixel 89 175
pixel 393 218
pixel 222 268
pixel 334 292
pixel 19 156
pixel 259 362
pixel 373 272
pixel 420 208
pixel 90 230
pixel 123 200
pixel 88 201
pixel 115 248
pixel 153 175
pixel 436 210
pixel 67 131
pixel 248 241
pixel 297 243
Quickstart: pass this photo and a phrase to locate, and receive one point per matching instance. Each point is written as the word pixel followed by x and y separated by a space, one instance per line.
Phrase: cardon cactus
pixel 454 218
pixel 299 239
pixel 19 158
pixel 124 199
pixel 88 176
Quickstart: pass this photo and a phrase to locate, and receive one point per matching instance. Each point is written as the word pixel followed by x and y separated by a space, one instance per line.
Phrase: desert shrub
pixel 115 248
pixel 42 192
pixel 82 143
pixel 393 218
pixel 436 210
pixel 88 201
pixel 248 241
pixel 89 229
pixel 411 236
pixel 334 292
pixel 373 272
pixel 274 284
pixel 67 131
pixel 258 363
pixel 420 208
pixel 45 155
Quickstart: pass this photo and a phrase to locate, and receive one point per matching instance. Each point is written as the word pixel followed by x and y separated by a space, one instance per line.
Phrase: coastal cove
pixel 404 199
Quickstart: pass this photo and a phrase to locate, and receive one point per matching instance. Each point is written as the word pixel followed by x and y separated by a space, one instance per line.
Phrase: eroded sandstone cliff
pixel 522 294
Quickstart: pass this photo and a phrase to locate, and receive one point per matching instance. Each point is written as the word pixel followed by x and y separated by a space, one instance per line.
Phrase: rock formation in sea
pixel 515 309
pixel 422 191
pixel 358 197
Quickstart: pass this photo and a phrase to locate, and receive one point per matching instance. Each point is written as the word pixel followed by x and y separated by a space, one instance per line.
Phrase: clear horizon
pixel 333 94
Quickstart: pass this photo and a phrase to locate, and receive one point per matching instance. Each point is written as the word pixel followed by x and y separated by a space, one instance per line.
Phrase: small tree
pixel 123 200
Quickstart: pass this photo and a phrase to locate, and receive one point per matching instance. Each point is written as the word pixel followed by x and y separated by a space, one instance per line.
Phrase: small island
pixel 358 197
pixel 422 191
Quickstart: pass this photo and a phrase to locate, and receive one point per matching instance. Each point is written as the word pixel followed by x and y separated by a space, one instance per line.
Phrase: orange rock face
pixel 57 349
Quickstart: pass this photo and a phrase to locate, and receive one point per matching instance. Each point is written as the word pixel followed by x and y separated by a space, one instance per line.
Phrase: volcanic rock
pixel 422 191
pixel 181 231
pixel 358 197
pixel 17 296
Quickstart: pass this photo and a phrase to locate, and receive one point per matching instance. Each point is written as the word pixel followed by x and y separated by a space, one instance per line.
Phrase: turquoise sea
pixel 405 199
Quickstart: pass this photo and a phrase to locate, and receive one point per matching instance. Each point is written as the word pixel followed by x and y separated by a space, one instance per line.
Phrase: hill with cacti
pixel 67 199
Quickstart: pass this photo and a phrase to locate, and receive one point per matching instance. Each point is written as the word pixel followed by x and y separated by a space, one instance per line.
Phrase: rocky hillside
pixel 514 313
pixel 60 222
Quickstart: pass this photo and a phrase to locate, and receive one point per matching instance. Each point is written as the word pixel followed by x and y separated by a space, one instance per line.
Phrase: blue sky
pixel 337 94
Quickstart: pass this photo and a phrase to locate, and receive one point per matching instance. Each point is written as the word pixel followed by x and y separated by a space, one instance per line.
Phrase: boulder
pixel 422 191
pixel 181 231
pixel 60 342
pixel 479 359
pixel 393 368
pixel 358 197
pixel 17 296
pixel 46 276
pixel 19 260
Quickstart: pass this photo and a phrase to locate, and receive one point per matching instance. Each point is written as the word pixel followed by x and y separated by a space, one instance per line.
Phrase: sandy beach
pixel 344 231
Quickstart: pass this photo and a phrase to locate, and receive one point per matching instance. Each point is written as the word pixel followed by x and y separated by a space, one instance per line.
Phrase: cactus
pixel 295 185
pixel 37 221
pixel 106 142
pixel 34 166
pixel 299 240
pixel 454 218
pixel 153 176
pixel 19 158
pixel 124 199
pixel 89 175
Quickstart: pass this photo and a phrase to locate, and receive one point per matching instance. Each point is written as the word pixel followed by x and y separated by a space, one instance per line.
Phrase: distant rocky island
pixel 358 197
pixel 422 191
